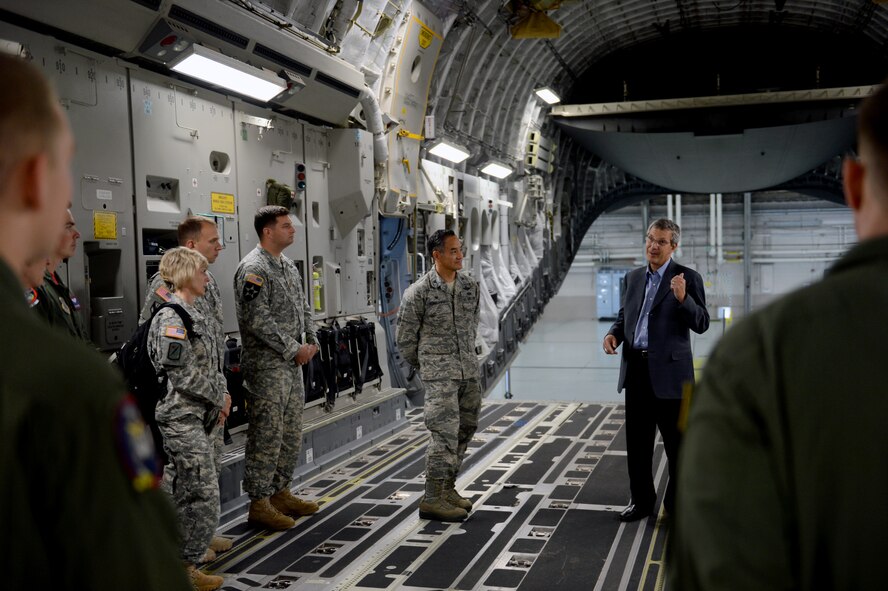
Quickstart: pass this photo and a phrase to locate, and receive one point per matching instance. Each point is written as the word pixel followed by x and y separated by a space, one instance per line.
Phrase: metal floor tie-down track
pixel 547 481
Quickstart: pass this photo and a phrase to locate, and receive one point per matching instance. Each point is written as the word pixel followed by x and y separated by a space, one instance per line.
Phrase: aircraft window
pixel 416 68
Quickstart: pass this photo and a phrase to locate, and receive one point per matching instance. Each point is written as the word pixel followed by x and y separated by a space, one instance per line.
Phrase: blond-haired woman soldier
pixel 194 403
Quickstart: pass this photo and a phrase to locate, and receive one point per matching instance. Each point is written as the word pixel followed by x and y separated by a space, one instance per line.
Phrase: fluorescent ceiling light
pixel 449 151
pixel 548 95
pixel 497 169
pixel 221 70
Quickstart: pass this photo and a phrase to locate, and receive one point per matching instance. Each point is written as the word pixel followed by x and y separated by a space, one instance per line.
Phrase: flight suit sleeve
pixel 174 351
pixel 252 287
pixel 43 306
pixel 410 317
pixel 734 519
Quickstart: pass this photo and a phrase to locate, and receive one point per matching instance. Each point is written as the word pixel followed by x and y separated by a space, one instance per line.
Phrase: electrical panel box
pixel 609 284
pixel 351 178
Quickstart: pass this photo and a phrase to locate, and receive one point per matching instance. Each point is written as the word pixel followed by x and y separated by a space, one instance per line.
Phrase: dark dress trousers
pixel 654 377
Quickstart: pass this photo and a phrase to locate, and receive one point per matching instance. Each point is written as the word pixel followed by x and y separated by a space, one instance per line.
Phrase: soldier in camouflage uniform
pixel 437 325
pixel 62 308
pixel 200 234
pixel 273 314
pixel 194 402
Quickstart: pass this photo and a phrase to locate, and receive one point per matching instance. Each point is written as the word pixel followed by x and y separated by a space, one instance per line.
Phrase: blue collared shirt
pixel 641 329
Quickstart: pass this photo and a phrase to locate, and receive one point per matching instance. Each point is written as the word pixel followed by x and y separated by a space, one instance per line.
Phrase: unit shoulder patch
pixel 252 286
pixel 31 297
pixel 176 332
pixel 174 352
pixel 135 446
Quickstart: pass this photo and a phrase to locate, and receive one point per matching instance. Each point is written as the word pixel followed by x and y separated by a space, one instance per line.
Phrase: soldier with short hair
pixel 273 314
pixel 62 307
pixel 79 505
pixel 200 234
pixel 437 327
pixel 192 408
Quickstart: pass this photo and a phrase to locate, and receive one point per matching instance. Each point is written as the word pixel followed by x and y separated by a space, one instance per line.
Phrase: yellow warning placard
pixel 426 35
pixel 222 202
pixel 105 225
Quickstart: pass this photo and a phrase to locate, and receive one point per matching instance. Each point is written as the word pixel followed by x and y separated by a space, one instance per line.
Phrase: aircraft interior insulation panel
pixel 406 96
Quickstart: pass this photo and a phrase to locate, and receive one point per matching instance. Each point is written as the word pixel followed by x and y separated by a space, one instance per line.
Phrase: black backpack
pixel 146 385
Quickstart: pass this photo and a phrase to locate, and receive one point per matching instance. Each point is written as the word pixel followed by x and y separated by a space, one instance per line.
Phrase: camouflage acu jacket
pixel 196 385
pixel 437 328
pixel 209 304
pixel 272 311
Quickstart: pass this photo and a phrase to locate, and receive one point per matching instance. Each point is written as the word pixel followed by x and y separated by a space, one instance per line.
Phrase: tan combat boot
pixel 452 496
pixel 209 556
pixel 288 504
pixel 435 506
pixel 219 544
pixel 263 514
pixel 202 581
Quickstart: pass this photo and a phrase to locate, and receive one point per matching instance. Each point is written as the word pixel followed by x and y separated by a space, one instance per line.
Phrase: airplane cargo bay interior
pixel 547 135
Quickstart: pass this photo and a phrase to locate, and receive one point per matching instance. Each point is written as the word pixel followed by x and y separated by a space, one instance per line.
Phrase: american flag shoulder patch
pixel 163 293
pixel 176 332
pixel 254 279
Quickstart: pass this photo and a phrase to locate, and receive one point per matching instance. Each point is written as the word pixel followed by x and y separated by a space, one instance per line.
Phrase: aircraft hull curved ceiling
pixel 754 159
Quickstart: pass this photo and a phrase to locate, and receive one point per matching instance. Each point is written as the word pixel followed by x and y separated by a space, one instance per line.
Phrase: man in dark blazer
pixel 662 303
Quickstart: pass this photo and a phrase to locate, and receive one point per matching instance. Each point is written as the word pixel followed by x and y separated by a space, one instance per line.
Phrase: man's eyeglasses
pixel 660 243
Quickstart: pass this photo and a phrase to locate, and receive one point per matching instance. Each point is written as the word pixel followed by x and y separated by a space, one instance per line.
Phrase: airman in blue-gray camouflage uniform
pixel 437 326
pixel 187 414
pixel 273 314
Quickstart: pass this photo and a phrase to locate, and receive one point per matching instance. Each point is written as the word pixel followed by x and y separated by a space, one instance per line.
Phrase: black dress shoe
pixel 635 512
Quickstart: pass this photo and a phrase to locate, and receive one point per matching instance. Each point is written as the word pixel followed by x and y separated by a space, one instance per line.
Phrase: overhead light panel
pixel 449 151
pixel 548 95
pixel 496 169
pixel 213 67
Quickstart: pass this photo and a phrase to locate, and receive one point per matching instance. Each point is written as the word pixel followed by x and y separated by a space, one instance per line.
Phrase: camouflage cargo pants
pixel 274 435
pixel 217 439
pixel 451 416
pixel 192 482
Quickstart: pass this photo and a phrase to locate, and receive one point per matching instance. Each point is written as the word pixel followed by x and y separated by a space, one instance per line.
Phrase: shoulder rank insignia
pixel 176 332
pixel 135 446
pixel 64 306
pixel 163 293
pixel 252 286
pixel 31 297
